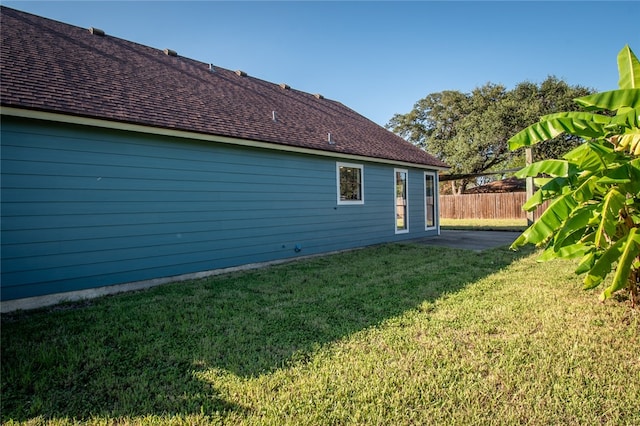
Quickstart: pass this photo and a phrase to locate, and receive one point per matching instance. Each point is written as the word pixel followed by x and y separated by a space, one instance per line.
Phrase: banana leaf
pixel 579 115
pixel 549 129
pixel 586 190
pixel 611 100
pixel 534 201
pixel 575 227
pixel 635 169
pixel 549 167
pixel 551 189
pixel 633 187
pixel 603 265
pixel 556 185
pixel 630 250
pixel 543 228
pixel 568 252
pixel 539 182
pixel 626 117
pixel 586 263
pixel 612 204
pixel 592 155
pixel 616 176
pixel 628 69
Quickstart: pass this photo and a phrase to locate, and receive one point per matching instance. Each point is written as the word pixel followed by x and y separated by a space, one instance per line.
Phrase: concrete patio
pixel 471 240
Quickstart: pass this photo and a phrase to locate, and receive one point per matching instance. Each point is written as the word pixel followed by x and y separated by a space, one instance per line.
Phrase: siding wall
pixel 85 208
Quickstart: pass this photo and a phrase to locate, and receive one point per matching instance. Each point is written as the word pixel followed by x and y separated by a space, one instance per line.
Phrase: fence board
pixel 486 206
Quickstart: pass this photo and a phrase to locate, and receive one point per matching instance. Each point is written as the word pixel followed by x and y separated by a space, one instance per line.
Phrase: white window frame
pixel 395 202
pixel 353 166
pixel 436 222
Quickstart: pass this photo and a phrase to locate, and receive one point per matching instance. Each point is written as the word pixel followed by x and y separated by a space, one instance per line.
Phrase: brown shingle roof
pixel 51 66
pixel 511 184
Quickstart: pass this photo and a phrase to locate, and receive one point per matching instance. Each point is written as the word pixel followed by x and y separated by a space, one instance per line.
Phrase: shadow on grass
pixel 140 354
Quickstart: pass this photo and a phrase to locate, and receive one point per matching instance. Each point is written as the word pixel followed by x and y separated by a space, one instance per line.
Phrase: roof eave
pixel 139 128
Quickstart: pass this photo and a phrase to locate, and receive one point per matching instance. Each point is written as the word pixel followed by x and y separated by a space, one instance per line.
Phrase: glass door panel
pixel 430 201
pixel 402 217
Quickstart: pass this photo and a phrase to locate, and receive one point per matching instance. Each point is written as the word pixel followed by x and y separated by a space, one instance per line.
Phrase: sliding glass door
pixel 430 194
pixel 402 202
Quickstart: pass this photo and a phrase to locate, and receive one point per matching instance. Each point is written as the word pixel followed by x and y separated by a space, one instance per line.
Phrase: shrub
pixel 595 188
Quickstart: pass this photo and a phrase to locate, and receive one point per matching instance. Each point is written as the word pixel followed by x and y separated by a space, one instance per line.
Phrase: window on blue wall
pixel 402 201
pixel 430 194
pixel 350 183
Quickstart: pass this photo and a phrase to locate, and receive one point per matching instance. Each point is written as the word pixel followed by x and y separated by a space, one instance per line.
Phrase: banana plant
pixel 594 190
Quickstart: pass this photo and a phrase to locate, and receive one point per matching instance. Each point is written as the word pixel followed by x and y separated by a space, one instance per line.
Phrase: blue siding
pixel 84 207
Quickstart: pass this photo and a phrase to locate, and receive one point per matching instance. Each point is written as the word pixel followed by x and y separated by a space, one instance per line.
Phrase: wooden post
pixel 529 181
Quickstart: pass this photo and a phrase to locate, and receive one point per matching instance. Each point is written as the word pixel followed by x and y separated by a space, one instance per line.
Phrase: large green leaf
pixel 625 117
pixel 603 265
pixel 579 115
pixel 538 132
pixel 630 250
pixel 612 204
pixel 592 155
pixel 548 167
pixel 633 187
pixel 586 190
pixel 549 188
pixel 575 227
pixel 541 181
pixel 567 252
pixel 553 127
pixel 628 69
pixel 534 201
pixel 617 175
pixel 543 228
pixel 556 185
pixel 586 263
pixel 612 100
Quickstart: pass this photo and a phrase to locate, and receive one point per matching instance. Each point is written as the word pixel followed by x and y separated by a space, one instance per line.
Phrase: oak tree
pixel 469 131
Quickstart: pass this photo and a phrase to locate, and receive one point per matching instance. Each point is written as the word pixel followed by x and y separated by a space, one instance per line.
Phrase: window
pixel 402 201
pixel 350 183
pixel 430 194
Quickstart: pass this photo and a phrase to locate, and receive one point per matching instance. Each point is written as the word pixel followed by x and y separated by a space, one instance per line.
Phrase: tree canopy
pixel 469 131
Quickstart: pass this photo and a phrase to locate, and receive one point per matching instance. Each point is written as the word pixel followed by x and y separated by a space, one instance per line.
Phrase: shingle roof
pixel 511 184
pixel 51 66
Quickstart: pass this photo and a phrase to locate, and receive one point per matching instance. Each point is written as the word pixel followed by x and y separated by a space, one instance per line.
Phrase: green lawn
pixel 399 334
pixel 485 224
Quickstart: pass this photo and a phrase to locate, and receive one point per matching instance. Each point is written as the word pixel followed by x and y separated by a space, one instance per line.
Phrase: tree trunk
pixel 463 186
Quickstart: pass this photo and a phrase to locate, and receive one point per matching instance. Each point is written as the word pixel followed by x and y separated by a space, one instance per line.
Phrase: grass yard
pixel 399 334
pixel 485 224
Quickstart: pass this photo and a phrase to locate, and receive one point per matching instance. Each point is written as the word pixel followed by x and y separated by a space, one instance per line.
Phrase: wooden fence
pixel 486 206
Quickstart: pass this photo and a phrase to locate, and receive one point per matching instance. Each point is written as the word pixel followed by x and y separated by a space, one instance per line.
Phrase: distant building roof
pixel 505 185
pixel 54 67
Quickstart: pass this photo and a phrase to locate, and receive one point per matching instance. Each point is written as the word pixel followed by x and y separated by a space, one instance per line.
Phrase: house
pixel 501 186
pixel 123 163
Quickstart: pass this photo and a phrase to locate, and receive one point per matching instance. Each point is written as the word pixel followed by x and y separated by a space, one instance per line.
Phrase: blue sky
pixel 377 58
